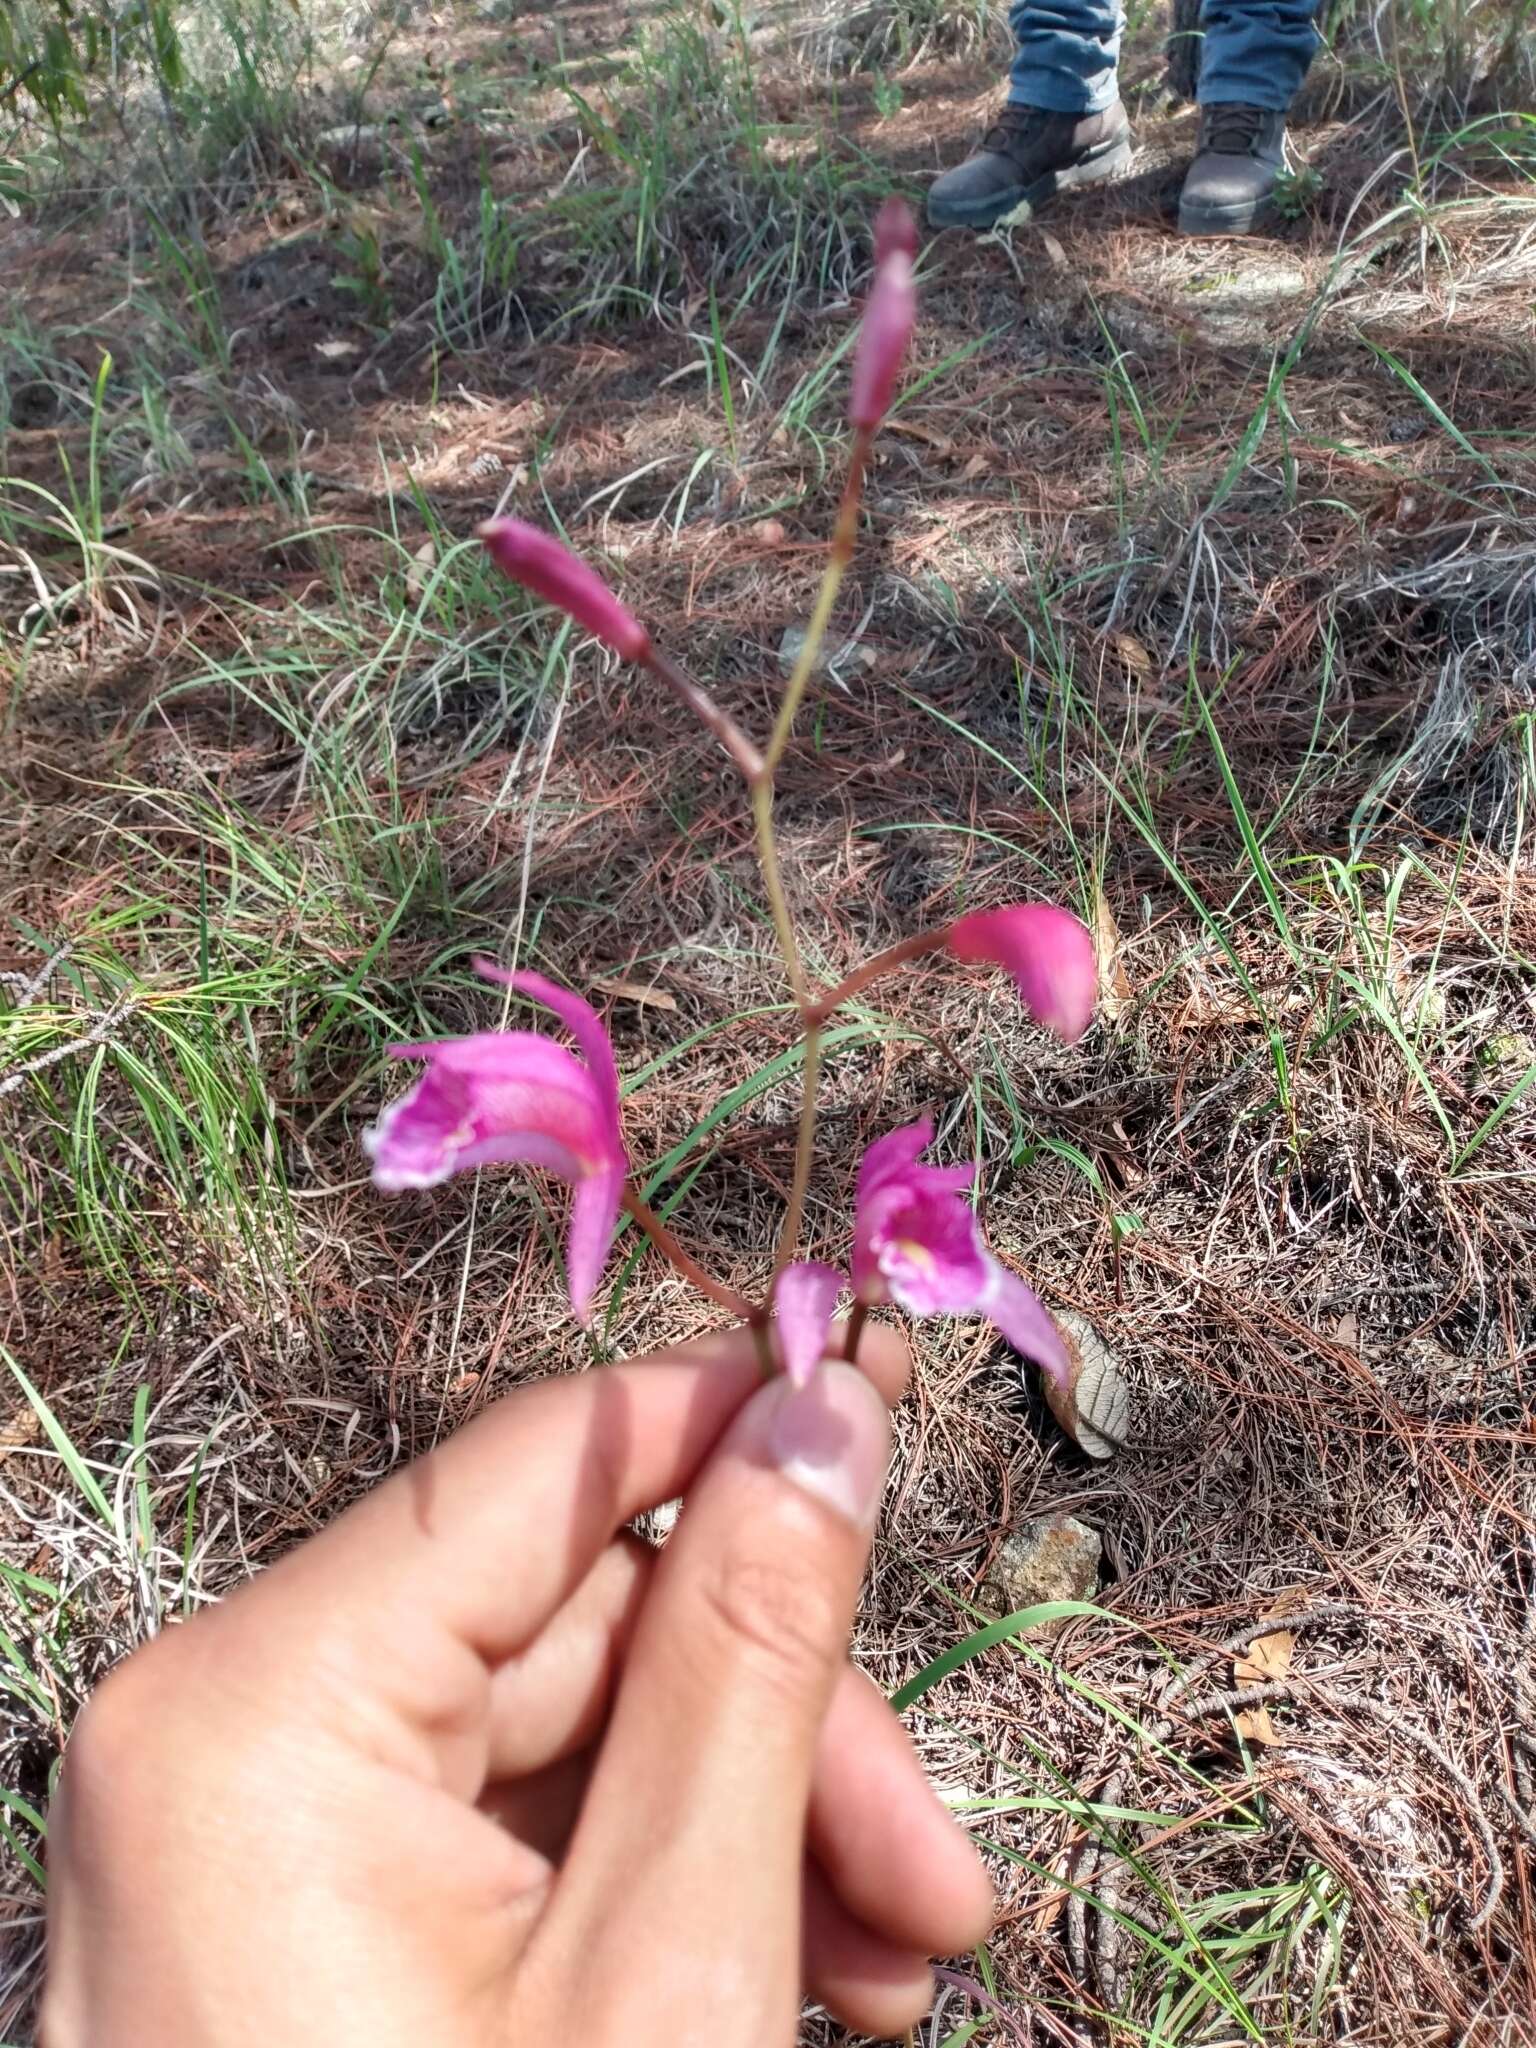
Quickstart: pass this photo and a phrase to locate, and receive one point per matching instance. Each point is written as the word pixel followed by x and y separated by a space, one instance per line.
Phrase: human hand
pixel 476 1768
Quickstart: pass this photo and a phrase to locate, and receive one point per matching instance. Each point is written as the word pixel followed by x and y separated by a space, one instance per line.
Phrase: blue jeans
pixel 1255 53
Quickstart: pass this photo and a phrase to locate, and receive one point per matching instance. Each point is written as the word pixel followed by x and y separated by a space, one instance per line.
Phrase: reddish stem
pixel 856 1322
pixel 877 965
pixel 704 708
pixel 686 1264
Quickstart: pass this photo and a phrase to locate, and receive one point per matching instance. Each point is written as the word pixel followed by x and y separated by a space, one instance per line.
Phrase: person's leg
pixel 1254 57
pixel 1066 52
pixel 1063 126
pixel 1256 52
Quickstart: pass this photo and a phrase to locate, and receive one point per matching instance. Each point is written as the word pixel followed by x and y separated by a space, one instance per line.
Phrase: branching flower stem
pixel 844 539
pixel 759 770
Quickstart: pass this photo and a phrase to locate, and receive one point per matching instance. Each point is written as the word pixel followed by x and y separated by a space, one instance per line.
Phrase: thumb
pixel 685 1872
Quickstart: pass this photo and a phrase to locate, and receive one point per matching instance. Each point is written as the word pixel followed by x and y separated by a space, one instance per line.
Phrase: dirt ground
pixel 1197 588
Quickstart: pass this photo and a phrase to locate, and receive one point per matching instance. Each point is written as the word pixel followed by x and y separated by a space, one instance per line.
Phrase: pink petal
pixel 887 328
pixel 442 1127
pixel 578 1017
pixel 927 1244
pixel 521 1080
pixel 894 1154
pixel 804 1297
pixel 517 1096
pixel 895 230
pixel 1024 1320
pixel 915 1239
pixel 594 1212
pixel 1049 954
pixel 548 568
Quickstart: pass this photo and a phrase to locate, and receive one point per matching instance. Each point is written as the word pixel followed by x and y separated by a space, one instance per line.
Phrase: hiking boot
pixel 1239 154
pixel 1027 157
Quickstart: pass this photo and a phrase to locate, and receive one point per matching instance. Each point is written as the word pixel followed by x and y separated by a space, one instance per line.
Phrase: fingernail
pixel 832 1439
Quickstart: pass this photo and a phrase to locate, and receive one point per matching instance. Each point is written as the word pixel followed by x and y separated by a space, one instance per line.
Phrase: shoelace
pixel 1232 130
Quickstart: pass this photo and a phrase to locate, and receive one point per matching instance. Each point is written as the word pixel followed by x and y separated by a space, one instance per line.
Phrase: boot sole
pixel 1238 217
pixel 1099 165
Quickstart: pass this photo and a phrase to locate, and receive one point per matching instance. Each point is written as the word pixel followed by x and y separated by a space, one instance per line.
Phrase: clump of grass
pixel 676 172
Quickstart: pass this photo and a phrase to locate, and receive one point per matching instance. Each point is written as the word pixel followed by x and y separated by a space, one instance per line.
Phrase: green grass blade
pixel 71 1459
pixel 984 1639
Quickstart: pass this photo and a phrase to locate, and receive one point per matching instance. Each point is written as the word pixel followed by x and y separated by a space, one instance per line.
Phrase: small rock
pixel 833 661
pixel 1506 1057
pixel 1054 1558
pixel 358 150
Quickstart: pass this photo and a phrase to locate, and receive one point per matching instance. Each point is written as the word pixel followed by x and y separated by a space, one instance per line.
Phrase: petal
pixel 442 1126
pixel 518 1081
pixel 1025 1321
pixel 1046 950
pixel 491 1057
pixel 896 1153
pixel 804 1297
pixel 416 1141
pixel 931 1254
pixel 594 1212
pixel 890 1181
pixel 580 1019
pixel 550 570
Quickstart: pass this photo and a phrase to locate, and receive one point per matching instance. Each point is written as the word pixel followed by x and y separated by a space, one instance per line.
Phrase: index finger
pixel 488 1535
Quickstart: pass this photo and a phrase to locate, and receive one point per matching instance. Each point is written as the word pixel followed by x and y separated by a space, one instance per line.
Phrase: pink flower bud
pixel 547 567
pixel 888 318
pixel 804 1297
pixel 1048 953
pixel 895 229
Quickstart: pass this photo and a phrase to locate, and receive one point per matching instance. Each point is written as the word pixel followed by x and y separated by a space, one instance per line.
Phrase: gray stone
pixel 360 150
pixel 1053 1558
pixel 835 660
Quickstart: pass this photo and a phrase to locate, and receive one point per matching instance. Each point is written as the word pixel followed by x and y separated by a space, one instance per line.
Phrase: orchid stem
pixel 685 1263
pixel 773 885
pixel 844 538
pixel 856 1322
pixel 877 966
pixel 697 699
pixel 758 771
pixel 767 1365
pixel 761 784
pixel 805 1145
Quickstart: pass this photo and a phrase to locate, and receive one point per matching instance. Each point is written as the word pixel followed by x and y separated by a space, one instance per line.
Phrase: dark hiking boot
pixel 1238 156
pixel 1026 158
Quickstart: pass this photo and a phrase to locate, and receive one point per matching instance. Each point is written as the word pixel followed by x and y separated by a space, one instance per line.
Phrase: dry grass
pixel 1196 575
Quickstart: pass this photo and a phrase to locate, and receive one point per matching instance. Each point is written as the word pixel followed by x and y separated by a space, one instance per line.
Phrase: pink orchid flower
pixel 804 1297
pixel 888 320
pixel 916 1242
pixel 548 568
pixel 516 1095
pixel 1049 954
